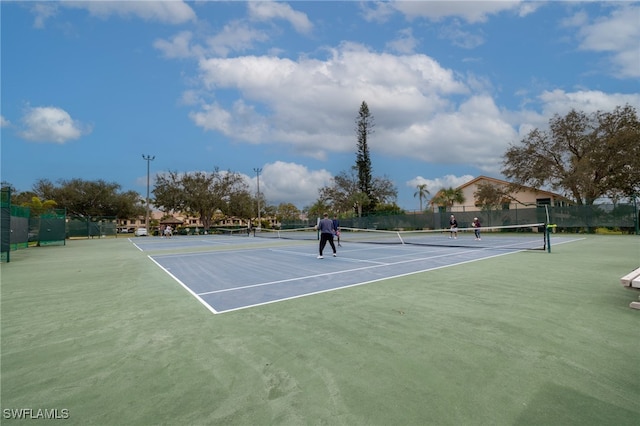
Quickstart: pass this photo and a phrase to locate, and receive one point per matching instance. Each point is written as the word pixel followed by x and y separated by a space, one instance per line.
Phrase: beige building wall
pixel 526 197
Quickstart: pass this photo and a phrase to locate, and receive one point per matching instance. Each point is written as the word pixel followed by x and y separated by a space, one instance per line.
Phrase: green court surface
pixel 94 331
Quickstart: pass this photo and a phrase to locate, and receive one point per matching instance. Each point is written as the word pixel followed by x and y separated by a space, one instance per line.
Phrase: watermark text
pixel 35 413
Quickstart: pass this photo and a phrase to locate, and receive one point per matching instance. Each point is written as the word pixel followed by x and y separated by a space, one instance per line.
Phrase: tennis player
pixel 336 228
pixel 453 226
pixel 326 234
pixel 476 227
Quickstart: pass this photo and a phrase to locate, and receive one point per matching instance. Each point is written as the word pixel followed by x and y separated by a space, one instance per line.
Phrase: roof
pixel 479 179
pixel 171 221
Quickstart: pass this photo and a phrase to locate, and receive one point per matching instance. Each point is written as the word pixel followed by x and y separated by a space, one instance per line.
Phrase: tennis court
pixel 95 331
pixel 227 273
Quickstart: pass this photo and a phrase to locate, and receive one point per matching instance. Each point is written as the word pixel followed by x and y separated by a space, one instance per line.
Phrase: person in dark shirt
pixel 453 226
pixel 476 227
pixel 326 234
pixel 336 228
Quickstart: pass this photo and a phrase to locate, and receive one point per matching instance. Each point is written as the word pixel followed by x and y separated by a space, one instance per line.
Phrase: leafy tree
pixel 360 201
pixel 587 156
pixel 287 212
pixel 421 193
pixel 384 191
pixel 389 208
pixel 364 127
pixel 339 195
pixel 344 193
pixel 37 206
pixel 447 197
pixel 21 198
pixel 489 196
pixel 201 194
pixel 357 190
pixel 490 199
pixel 318 208
pixel 90 198
pixel 240 204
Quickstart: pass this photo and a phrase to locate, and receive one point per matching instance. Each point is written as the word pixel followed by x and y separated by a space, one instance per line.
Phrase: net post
pixel 547 229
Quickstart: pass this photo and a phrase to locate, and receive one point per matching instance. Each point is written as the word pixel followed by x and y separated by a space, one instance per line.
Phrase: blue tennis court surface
pixel 231 273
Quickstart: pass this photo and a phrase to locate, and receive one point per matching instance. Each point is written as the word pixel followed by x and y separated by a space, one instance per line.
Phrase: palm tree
pixel 421 193
pixel 447 197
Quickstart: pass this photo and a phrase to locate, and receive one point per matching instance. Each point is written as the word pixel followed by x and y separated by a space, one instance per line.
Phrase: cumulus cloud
pixel 404 43
pixel 309 100
pixel 51 124
pixel 42 12
pixel 267 11
pixel 236 36
pixel 178 46
pixel 435 185
pixel 470 11
pixel 421 110
pixel 616 34
pixel 169 12
pixel 282 182
pixel 4 122
pixel 560 102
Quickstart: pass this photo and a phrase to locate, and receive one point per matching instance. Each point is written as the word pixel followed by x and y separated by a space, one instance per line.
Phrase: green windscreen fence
pixel 20 227
pixel 49 228
pixel 621 218
pixel 5 224
pixel 91 227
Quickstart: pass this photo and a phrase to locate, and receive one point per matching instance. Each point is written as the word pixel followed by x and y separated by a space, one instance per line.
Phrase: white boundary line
pixel 356 284
pixel 186 287
pixel 377 265
pixel 213 310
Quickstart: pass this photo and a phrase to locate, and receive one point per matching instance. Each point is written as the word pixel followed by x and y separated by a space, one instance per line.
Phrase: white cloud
pixel 617 34
pixel 311 101
pixel 460 37
pixel 51 124
pixel 179 46
pixel 421 110
pixel 470 11
pixel 240 122
pixel 169 12
pixel 561 102
pixel 282 182
pixel 435 185
pixel 42 12
pixel 404 43
pixel 236 36
pixel 267 10
pixel 4 122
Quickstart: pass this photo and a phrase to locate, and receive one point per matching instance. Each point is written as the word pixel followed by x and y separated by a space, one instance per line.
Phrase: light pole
pixel 148 159
pixel 258 171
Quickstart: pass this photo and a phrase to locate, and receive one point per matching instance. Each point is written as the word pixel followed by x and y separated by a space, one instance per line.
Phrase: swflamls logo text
pixel 35 413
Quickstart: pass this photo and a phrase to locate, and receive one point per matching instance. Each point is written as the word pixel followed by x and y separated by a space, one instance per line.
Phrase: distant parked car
pixel 141 232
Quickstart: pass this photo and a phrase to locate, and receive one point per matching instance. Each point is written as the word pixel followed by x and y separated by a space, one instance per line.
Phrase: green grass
pixel 535 338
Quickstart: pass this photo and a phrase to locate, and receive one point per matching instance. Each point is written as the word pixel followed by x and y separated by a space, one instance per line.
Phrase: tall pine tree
pixel 364 128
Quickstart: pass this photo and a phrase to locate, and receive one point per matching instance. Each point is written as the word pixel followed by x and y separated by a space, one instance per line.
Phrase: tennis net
pixel 523 237
pixel 241 232
pixel 307 233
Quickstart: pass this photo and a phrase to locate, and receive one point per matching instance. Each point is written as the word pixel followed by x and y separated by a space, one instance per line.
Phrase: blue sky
pixel 89 87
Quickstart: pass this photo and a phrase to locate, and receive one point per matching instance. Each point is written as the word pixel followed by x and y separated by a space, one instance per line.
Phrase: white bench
pixel 632 280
